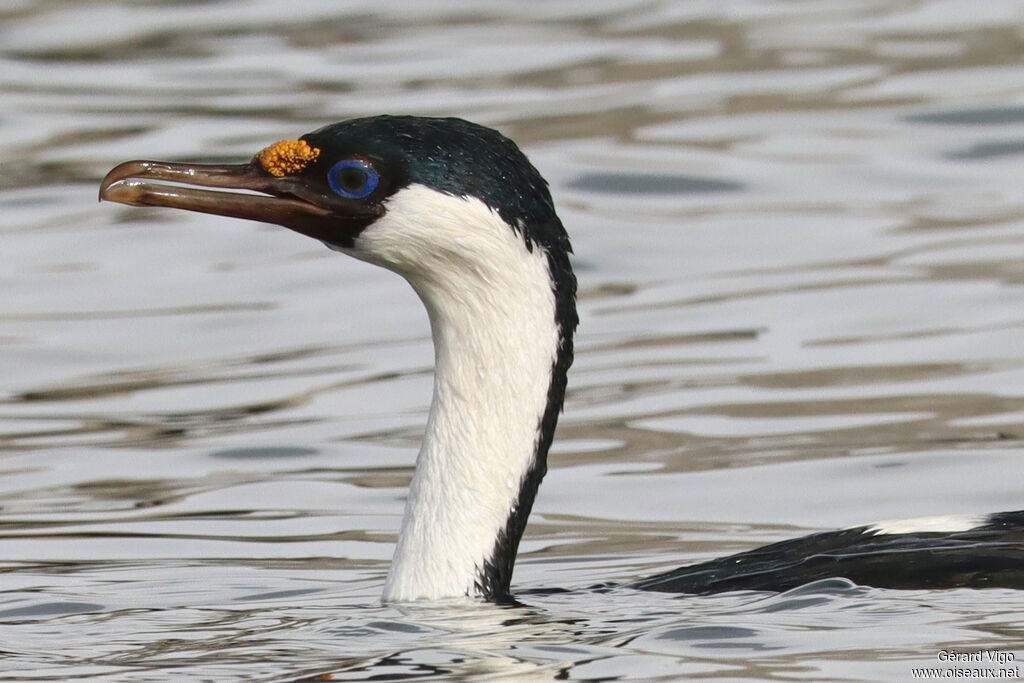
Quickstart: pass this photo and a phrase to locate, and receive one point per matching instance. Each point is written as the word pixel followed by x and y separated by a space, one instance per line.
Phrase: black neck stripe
pixel 495 576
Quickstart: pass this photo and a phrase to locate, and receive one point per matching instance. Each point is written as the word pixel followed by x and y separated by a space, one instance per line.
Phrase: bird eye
pixel 352 178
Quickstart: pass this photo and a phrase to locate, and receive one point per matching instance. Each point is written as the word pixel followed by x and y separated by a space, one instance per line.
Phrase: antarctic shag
pixel 459 212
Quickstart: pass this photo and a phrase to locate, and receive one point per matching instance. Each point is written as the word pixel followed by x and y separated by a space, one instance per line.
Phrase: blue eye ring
pixel 350 187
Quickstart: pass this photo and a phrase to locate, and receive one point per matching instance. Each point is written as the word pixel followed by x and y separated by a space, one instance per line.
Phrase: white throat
pixel 492 316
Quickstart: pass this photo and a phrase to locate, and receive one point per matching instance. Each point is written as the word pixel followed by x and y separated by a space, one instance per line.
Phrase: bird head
pixel 334 183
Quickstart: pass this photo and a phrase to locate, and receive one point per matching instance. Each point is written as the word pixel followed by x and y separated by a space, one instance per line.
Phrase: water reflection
pixel 614 183
pixel 798 233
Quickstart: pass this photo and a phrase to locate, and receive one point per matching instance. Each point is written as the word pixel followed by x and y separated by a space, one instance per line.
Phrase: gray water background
pixel 799 235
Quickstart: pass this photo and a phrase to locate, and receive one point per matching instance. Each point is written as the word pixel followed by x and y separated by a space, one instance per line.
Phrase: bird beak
pixel 282 200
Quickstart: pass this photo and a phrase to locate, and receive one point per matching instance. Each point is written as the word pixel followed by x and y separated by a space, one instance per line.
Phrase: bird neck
pixel 499 378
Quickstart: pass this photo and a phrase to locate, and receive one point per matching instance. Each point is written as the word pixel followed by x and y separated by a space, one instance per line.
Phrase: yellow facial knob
pixel 287 157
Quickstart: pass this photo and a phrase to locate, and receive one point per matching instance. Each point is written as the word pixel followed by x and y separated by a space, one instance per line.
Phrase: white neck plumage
pixel 492 313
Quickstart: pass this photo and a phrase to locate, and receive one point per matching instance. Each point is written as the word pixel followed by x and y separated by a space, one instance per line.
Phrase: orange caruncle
pixel 287 157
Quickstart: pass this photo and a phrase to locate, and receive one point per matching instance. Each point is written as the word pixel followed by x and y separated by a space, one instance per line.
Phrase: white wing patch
pixel 941 524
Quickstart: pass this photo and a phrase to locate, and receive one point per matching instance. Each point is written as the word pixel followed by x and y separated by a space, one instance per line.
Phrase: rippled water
pixel 799 231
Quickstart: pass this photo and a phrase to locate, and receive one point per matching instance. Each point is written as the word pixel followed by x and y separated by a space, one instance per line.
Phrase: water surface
pixel 799 235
